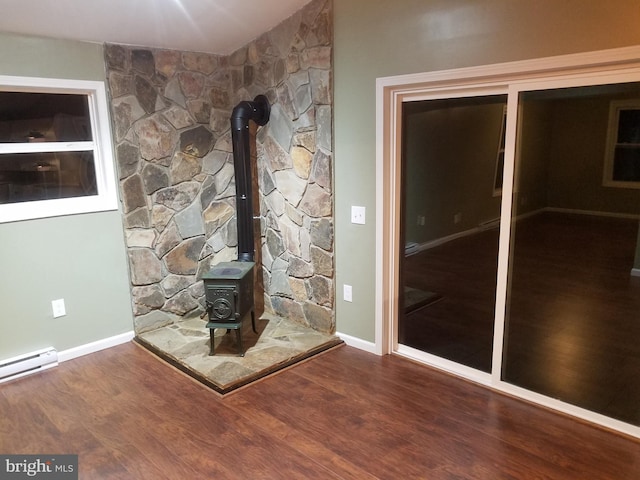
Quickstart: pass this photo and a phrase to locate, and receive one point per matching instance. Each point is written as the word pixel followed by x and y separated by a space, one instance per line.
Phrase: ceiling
pixel 212 26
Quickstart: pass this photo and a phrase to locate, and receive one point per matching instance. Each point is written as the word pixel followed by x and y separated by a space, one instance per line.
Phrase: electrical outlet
pixel 457 217
pixel 358 215
pixel 348 293
pixel 58 308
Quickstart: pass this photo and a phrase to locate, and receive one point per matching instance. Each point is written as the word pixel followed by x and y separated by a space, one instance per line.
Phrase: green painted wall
pixel 376 38
pixel 450 162
pixel 534 151
pixel 577 150
pixel 80 258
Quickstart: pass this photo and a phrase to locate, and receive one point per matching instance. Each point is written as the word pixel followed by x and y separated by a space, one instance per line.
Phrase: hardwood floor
pixel 572 316
pixel 460 326
pixel 346 414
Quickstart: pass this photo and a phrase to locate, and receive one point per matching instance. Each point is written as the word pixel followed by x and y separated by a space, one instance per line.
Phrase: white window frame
pixel 101 146
pixel 612 141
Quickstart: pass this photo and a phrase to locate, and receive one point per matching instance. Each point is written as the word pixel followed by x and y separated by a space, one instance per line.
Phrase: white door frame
pixel 606 66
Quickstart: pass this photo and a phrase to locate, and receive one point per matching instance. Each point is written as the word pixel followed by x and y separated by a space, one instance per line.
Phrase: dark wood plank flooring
pixel 573 316
pixel 574 319
pixel 345 414
pixel 459 327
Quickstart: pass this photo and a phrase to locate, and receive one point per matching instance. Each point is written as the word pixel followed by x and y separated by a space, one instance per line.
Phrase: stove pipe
pixel 259 111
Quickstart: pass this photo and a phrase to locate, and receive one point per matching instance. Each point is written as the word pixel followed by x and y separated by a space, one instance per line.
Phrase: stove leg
pixel 253 322
pixel 239 338
pixel 211 349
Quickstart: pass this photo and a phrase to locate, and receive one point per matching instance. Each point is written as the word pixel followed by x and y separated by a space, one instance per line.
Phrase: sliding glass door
pixel 573 311
pixel 451 157
pixel 520 238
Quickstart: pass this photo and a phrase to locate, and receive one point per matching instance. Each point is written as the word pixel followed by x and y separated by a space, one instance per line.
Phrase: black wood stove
pixel 228 290
pixel 229 285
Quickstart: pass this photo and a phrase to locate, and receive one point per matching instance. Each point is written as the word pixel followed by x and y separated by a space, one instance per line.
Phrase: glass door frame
pixel 512 79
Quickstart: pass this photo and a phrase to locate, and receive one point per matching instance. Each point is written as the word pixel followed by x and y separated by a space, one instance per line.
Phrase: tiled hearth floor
pixel 278 344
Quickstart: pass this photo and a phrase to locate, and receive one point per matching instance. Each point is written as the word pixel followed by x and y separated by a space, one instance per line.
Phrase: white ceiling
pixel 213 26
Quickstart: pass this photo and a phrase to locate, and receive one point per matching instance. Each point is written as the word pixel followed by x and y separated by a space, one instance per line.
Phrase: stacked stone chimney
pixel 170 112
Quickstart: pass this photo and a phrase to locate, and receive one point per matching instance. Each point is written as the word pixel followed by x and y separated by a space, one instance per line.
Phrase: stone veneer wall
pixel 171 114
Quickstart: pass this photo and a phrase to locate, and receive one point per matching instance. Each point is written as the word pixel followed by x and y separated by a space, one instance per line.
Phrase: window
pixel 622 162
pixel 55 149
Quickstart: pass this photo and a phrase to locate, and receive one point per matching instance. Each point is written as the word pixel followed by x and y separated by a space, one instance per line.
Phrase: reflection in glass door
pixel 453 154
pixel 573 312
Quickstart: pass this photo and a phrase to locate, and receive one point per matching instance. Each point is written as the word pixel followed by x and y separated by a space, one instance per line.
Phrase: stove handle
pixel 209 306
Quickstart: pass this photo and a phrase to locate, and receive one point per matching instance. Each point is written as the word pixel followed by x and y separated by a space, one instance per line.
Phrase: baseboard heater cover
pixel 28 363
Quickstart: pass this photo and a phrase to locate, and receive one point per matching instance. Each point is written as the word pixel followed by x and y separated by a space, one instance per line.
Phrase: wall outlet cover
pixel 58 308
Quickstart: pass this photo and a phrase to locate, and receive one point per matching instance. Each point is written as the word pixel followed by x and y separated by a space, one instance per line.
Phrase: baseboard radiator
pixel 26 364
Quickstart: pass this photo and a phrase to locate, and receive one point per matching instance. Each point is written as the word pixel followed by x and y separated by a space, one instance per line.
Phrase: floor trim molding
pixel 358 343
pixel 96 346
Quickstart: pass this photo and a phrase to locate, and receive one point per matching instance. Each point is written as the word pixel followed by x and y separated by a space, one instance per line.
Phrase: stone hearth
pixel 279 344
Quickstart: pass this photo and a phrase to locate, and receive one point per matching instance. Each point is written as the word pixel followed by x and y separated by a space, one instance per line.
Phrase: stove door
pixel 222 302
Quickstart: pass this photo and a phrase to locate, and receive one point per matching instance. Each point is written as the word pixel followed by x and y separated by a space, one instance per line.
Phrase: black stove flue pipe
pixel 259 111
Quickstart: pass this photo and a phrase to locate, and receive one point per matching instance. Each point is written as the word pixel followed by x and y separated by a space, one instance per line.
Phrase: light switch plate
pixel 348 293
pixel 358 215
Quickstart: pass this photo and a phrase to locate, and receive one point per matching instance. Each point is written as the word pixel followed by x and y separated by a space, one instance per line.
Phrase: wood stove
pixel 228 290
pixel 229 285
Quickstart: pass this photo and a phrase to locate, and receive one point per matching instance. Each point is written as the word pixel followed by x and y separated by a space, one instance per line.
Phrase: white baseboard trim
pixel 496 223
pixel 358 343
pixel 595 213
pixel 440 241
pixel 635 272
pixel 487 225
pixel 96 346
